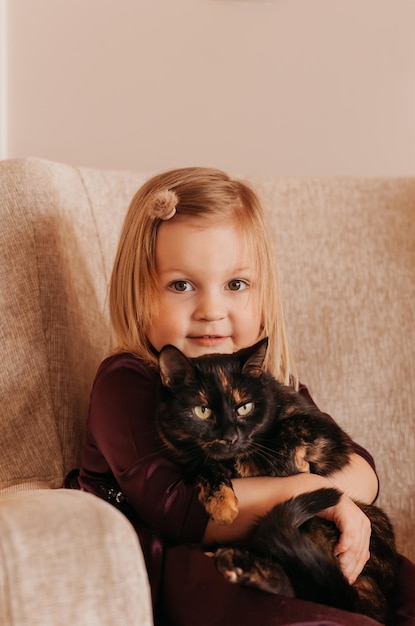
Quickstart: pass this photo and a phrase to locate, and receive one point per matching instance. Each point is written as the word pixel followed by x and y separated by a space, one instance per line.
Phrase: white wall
pixel 283 86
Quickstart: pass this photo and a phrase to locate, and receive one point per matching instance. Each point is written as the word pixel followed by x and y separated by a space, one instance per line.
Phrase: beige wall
pixel 281 86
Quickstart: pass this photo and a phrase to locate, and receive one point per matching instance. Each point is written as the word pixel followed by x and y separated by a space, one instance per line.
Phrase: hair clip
pixel 163 204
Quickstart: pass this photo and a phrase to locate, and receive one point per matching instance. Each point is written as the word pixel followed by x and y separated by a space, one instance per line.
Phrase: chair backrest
pixel 59 228
pixel 347 257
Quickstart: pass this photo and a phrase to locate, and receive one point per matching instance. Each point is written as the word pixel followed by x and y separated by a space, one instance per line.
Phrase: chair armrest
pixel 67 557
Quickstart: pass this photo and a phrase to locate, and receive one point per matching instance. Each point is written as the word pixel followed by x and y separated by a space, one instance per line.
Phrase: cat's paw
pixel 222 505
pixel 241 567
pixel 229 563
pixel 301 464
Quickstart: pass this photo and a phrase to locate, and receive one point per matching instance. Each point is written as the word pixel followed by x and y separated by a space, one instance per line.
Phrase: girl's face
pixel 209 298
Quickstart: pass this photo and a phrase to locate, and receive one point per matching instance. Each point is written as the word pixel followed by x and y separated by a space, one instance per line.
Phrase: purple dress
pixel 124 462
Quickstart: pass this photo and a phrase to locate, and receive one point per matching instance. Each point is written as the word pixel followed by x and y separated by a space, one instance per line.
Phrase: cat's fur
pixel 223 416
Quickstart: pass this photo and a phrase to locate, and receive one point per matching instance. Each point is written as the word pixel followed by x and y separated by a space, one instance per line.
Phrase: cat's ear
pixel 254 358
pixel 175 367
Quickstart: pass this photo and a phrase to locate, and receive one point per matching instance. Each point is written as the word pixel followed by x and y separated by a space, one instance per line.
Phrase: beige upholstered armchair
pixel 347 256
pixel 66 557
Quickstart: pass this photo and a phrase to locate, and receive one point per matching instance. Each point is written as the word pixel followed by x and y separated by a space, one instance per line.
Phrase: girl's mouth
pixel 208 340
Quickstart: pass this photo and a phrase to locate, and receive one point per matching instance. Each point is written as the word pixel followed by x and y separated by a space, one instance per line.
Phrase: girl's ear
pixel 175 367
pixel 254 358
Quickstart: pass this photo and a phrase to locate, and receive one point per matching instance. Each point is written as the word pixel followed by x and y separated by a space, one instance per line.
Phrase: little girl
pixel 195 268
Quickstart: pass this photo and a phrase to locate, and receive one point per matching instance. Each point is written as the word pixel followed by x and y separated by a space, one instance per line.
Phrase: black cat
pixel 222 416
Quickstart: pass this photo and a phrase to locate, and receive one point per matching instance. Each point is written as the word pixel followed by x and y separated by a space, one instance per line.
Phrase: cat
pixel 222 416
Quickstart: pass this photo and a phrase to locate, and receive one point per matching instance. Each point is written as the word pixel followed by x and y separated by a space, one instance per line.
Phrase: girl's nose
pixel 209 308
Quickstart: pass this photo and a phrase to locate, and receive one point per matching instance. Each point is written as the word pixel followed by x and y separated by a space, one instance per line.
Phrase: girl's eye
pixel 245 409
pixel 202 412
pixel 181 285
pixel 237 285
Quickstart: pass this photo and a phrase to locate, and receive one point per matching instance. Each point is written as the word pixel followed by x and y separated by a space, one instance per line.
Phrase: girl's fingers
pixel 352 562
pixel 352 549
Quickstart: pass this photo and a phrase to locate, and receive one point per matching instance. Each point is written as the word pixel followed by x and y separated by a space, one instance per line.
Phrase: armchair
pixel 347 256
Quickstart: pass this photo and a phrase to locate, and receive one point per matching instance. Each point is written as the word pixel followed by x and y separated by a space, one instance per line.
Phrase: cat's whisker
pixel 265 451
pixel 192 449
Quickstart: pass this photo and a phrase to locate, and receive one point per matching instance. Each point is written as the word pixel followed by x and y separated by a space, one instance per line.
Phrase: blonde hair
pixel 197 192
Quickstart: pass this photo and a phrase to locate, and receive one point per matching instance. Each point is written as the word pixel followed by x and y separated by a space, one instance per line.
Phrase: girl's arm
pixel 258 495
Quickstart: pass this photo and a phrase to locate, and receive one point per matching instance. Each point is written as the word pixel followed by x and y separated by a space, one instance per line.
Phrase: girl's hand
pixel 353 546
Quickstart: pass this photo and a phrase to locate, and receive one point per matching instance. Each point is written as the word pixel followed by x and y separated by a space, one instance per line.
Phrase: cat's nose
pixel 230 438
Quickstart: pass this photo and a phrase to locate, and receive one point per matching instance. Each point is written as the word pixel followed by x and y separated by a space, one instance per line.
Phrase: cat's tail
pixel 312 568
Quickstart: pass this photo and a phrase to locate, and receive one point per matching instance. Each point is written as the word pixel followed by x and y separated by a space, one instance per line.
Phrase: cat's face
pixel 212 404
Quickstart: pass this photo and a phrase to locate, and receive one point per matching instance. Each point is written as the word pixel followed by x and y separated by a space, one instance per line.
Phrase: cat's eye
pixel 202 412
pixel 245 409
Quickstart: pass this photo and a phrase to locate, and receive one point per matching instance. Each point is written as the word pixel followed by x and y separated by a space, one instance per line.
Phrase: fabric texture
pixel 69 558
pixel 57 243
